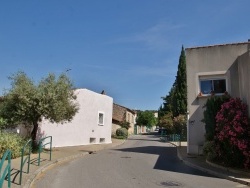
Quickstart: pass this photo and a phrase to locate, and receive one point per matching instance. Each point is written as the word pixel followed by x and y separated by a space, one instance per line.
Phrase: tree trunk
pixel 33 135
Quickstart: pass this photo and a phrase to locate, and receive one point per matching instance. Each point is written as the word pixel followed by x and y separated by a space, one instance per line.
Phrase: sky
pixel 129 48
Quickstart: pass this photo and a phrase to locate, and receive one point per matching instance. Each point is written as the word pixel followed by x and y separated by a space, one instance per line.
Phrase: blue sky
pixel 129 48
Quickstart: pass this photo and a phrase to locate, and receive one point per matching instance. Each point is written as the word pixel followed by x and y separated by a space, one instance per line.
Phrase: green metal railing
pixel 6 170
pixel 174 137
pixel 170 137
pixel 41 146
pixel 25 150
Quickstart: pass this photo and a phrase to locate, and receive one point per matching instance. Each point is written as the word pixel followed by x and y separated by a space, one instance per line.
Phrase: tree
pixel 168 105
pixel 180 93
pixel 180 126
pixel 167 122
pixel 2 124
pixel 146 118
pixel 27 103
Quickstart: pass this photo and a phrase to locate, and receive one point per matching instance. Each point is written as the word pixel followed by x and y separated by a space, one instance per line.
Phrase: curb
pixel 211 172
pixel 43 168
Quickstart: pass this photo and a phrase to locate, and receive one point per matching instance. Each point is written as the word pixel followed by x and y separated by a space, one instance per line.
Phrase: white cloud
pixel 156 37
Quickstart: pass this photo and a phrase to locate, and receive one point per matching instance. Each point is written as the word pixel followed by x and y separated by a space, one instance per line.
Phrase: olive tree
pixel 28 103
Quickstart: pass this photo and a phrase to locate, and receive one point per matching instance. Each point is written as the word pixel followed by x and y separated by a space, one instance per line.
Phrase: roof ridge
pixel 238 43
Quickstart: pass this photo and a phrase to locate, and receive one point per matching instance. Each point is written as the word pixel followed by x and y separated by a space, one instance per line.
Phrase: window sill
pixel 209 95
pixel 203 96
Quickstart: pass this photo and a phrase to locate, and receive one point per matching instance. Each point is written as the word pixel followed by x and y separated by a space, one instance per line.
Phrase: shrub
pixel 233 134
pixel 212 106
pixel 122 132
pixel 125 125
pixel 166 122
pixel 209 150
pixel 12 142
pixel 180 126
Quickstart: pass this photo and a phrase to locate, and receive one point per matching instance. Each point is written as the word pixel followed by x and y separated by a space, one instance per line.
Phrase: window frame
pixel 217 75
pixel 98 120
pixel 213 86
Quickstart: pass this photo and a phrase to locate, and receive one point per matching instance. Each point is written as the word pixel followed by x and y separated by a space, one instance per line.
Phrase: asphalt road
pixel 141 162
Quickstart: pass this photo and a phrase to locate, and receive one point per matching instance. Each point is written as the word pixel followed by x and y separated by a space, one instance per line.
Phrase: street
pixel 141 162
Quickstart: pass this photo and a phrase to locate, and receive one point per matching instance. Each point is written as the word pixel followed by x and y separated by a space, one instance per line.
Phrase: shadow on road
pixel 167 160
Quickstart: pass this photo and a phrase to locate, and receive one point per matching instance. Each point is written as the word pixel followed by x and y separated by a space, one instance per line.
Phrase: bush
pixel 212 106
pixel 180 126
pixel 122 132
pixel 125 125
pixel 12 142
pixel 209 150
pixel 233 134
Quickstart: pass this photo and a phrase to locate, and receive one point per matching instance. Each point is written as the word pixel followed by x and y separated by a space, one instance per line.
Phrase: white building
pixel 91 125
pixel 218 68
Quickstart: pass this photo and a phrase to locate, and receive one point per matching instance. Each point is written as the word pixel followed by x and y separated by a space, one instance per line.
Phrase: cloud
pixel 157 37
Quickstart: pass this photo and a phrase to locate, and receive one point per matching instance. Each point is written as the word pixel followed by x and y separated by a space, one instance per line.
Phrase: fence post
pixel 23 161
pixel 6 170
pixel 41 145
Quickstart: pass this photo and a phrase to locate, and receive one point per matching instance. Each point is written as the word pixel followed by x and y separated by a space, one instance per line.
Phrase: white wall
pixel 84 125
pixel 218 60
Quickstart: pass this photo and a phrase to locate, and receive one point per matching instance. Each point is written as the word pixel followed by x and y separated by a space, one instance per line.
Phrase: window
pixel 100 118
pixel 217 86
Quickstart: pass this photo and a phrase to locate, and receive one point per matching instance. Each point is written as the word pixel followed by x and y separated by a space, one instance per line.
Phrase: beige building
pixel 217 68
pixel 122 114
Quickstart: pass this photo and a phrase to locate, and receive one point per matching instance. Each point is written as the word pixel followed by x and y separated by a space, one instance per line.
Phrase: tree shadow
pixel 167 160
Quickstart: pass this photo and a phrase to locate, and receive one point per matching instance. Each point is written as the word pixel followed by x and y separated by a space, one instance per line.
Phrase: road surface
pixel 141 162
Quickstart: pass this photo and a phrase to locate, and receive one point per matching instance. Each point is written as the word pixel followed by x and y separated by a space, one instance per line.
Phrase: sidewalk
pixel 199 162
pixel 59 155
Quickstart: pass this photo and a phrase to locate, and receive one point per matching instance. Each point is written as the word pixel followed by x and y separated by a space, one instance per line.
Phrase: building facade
pixel 91 125
pixel 214 70
pixel 121 115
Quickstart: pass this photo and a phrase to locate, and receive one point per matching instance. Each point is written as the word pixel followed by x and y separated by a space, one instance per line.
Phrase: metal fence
pixel 6 170
pixel 26 150
pixel 42 145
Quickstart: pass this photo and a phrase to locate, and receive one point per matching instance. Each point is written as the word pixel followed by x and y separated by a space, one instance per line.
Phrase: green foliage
pixel 3 124
pixel 12 142
pixel 180 93
pixel 212 106
pixel 232 137
pixel 122 133
pixel 209 150
pixel 167 122
pixel 176 101
pixel 180 126
pixel 146 118
pixel 167 106
pixel 27 103
pixel 125 125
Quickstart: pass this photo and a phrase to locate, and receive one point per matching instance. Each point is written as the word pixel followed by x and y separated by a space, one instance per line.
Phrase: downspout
pixel 188 132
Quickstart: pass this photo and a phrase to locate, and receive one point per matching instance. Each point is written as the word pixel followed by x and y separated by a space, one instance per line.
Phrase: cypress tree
pixel 180 93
